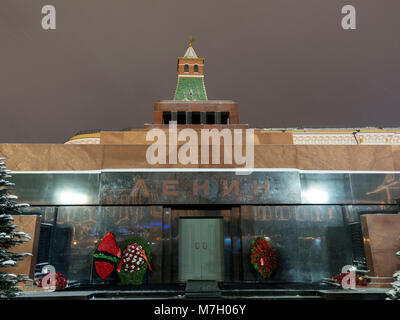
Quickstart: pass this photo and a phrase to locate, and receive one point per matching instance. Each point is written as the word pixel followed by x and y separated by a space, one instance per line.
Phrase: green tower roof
pixel 190 88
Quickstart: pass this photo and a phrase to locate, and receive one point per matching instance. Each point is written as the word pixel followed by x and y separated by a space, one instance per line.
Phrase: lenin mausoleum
pixel 324 198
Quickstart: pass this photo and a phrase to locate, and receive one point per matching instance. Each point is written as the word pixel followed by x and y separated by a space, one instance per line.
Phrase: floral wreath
pixel 263 257
pixel 54 280
pixel 134 262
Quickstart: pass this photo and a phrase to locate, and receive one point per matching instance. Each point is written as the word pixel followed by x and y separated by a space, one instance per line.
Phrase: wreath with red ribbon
pixel 134 262
pixel 263 257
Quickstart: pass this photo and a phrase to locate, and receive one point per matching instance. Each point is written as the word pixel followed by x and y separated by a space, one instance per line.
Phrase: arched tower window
pixel 196 68
pixel 186 68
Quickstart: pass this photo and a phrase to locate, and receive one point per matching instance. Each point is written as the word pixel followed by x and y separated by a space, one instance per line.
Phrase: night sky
pixel 288 63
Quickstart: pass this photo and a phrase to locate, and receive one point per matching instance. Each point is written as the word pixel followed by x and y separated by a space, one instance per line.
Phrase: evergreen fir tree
pixel 9 237
pixel 394 294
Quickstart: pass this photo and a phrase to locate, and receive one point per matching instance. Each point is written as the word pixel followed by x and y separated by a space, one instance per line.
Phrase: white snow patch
pixel 9 263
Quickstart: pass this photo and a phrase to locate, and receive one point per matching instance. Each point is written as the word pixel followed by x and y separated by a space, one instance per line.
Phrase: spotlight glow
pixel 315 196
pixel 72 197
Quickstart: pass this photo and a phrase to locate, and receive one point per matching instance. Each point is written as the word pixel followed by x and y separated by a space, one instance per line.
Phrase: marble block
pixel 381 233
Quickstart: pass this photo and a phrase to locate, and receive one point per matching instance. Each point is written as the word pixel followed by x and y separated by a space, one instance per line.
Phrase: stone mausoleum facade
pixel 307 193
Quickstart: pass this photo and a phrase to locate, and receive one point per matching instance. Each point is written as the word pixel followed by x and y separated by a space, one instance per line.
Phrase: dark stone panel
pixel 321 253
pixel 79 230
pixel 137 221
pixel 76 237
pixel 311 241
pixel 325 188
pixel 301 236
pixel 228 258
pixel 338 242
pixel 275 223
pixel 125 222
pixel 176 188
pixel 57 189
pixel 236 246
pixel 375 188
pixel 155 241
pixel 199 188
pixel 167 245
pixel 353 212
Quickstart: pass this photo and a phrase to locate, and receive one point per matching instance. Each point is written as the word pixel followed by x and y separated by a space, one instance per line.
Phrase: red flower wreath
pixel 360 281
pixel 263 257
pixel 60 281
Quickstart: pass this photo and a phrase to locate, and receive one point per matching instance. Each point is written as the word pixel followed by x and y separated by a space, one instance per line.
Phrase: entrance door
pixel 201 249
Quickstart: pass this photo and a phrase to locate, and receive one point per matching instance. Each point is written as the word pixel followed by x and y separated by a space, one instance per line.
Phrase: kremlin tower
pixel 190 86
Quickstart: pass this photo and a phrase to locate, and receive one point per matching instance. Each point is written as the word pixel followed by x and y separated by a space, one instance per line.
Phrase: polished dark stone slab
pixel 375 188
pixel 329 188
pixel 57 188
pixel 199 188
pixel 310 242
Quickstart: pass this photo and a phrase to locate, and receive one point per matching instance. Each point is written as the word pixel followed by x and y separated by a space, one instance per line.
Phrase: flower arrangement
pixel 360 280
pixel 134 262
pixel 50 281
pixel 263 257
